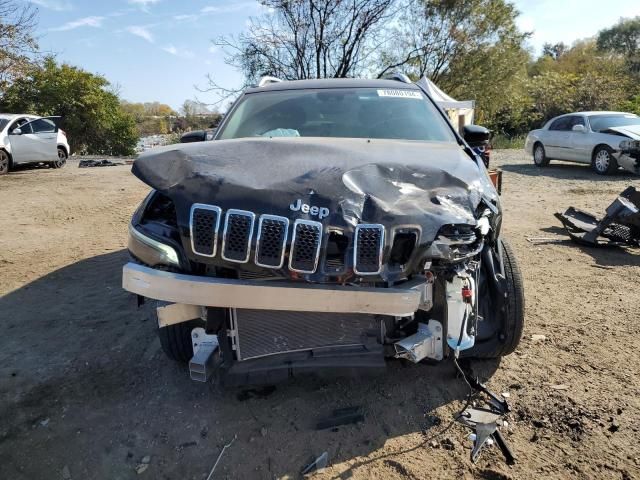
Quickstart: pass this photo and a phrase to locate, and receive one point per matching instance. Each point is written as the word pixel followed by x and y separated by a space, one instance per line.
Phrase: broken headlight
pixel 151 251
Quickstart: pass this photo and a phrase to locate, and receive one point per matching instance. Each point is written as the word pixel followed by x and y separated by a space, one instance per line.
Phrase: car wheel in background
pixel 603 162
pixel 540 155
pixel 4 162
pixel 62 159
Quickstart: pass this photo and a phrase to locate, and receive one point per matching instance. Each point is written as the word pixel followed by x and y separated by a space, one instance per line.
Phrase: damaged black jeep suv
pixel 330 224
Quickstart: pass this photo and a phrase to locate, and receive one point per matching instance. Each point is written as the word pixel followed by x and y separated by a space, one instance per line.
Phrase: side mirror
pixel 476 136
pixel 16 131
pixel 579 128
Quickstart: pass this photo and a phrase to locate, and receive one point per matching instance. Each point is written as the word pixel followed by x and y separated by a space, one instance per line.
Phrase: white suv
pixel 31 139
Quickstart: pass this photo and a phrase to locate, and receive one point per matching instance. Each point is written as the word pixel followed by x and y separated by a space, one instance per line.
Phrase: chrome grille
pixel 204 223
pixel 236 238
pixel 272 238
pixel 305 246
pixel 367 253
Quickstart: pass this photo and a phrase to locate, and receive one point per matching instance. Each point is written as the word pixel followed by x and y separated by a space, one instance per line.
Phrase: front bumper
pixel 402 300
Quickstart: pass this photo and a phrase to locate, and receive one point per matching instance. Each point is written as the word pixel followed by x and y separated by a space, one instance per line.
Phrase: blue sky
pixel 159 50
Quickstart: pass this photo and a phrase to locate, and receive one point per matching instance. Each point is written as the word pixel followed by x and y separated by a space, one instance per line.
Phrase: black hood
pixel 390 182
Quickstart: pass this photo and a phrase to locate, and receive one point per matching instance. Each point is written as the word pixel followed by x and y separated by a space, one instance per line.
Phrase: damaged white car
pixel 331 224
pixel 603 140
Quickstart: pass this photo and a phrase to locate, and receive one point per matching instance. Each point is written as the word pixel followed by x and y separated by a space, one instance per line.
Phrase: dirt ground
pixel 86 393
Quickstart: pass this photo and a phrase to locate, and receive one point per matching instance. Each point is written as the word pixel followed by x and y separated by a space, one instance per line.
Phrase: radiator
pixel 258 333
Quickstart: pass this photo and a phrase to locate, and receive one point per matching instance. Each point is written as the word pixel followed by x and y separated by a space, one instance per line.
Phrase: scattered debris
pixel 317 465
pixel 98 163
pixel 560 387
pixel 486 421
pixel 220 456
pixel 263 431
pixel 146 459
pixel 539 240
pixel 141 468
pixel 341 416
pixel 620 225
pixel 44 423
pixel 536 337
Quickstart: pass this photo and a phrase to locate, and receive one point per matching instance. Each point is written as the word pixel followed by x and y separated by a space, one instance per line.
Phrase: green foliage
pixel 92 116
pixel 502 141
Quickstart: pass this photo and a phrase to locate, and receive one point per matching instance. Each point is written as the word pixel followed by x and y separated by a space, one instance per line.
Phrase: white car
pixel 31 139
pixel 586 137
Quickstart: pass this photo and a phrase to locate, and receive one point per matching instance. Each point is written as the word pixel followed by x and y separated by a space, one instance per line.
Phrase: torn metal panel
pixel 620 225
pixel 629 155
pixel 349 181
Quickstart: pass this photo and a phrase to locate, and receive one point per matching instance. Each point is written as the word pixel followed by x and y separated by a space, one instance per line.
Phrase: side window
pixel 20 124
pixel 43 125
pixel 577 120
pixel 562 123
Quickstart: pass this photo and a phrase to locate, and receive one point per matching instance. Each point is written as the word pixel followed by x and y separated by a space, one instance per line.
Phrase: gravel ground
pixel 85 391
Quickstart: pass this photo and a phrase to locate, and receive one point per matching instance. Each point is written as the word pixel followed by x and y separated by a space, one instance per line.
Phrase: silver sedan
pixel 586 137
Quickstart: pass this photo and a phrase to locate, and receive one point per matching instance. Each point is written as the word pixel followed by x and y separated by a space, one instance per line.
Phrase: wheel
pixel 502 331
pixel 5 162
pixel 62 159
pixel 176 340
pixel 603 162
pixel 540 155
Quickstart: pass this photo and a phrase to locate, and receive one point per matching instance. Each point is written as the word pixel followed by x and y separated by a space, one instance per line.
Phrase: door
pixel 35 141
pixel 557 139
pixel 581 142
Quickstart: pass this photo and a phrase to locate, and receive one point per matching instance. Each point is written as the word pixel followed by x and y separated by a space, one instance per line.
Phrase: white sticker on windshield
pixel 400 94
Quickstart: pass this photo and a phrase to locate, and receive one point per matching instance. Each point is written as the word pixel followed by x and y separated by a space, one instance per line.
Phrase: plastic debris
pixel 318 464
pixel 220 456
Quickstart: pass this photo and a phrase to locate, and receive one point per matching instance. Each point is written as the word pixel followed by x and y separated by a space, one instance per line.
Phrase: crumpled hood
pixel 632 131
pixel 390 182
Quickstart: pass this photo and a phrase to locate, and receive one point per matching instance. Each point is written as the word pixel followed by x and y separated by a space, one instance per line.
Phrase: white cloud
pixel 213 49
pixel 230 7
pixel 95 22
pixel 141 32
pixel 178 52
pixel 180 18
pixel 143 3
pixel 57 5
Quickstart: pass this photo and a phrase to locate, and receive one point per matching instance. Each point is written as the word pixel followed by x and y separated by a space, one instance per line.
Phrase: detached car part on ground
pixel 620 225
pixel 330 225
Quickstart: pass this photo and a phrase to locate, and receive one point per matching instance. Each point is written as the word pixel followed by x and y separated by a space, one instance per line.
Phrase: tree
pixel 302 39
pixel 92 116
pixel 554 50
pixel 622 38
pixel 18 46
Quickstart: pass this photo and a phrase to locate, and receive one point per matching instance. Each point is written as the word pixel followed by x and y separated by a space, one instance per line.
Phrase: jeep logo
pixel 320 212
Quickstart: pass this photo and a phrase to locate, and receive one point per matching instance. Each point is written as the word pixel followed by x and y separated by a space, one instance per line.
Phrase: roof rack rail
pixel 267 80
pixel 400 77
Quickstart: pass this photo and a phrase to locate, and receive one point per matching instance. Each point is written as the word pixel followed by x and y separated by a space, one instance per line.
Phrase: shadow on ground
pixel 84 387
pixel 566 170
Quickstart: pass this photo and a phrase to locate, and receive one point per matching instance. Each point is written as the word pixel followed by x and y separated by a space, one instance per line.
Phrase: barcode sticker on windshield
pixel 400 94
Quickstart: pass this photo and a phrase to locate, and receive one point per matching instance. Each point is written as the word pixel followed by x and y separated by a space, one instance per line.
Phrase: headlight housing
pixel 151 251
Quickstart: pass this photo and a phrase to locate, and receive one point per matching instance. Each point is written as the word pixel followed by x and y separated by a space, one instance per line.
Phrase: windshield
pixel 3 123
pixel 345 112
pixel 602 122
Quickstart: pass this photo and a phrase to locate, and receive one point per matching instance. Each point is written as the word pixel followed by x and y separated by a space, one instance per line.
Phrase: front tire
pixel 540 155
pixel 62 159
pixel 5 162
pixel 603 162
pixel 508 331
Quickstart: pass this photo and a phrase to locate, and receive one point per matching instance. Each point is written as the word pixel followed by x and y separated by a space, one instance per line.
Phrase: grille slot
pixel 236 239
pixel 204 223
pixel 305 246
pixel 272 238
pixel 368 249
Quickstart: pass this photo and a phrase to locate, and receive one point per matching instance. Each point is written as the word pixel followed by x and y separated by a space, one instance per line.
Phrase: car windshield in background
pixel 602 122
pixel 345 112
